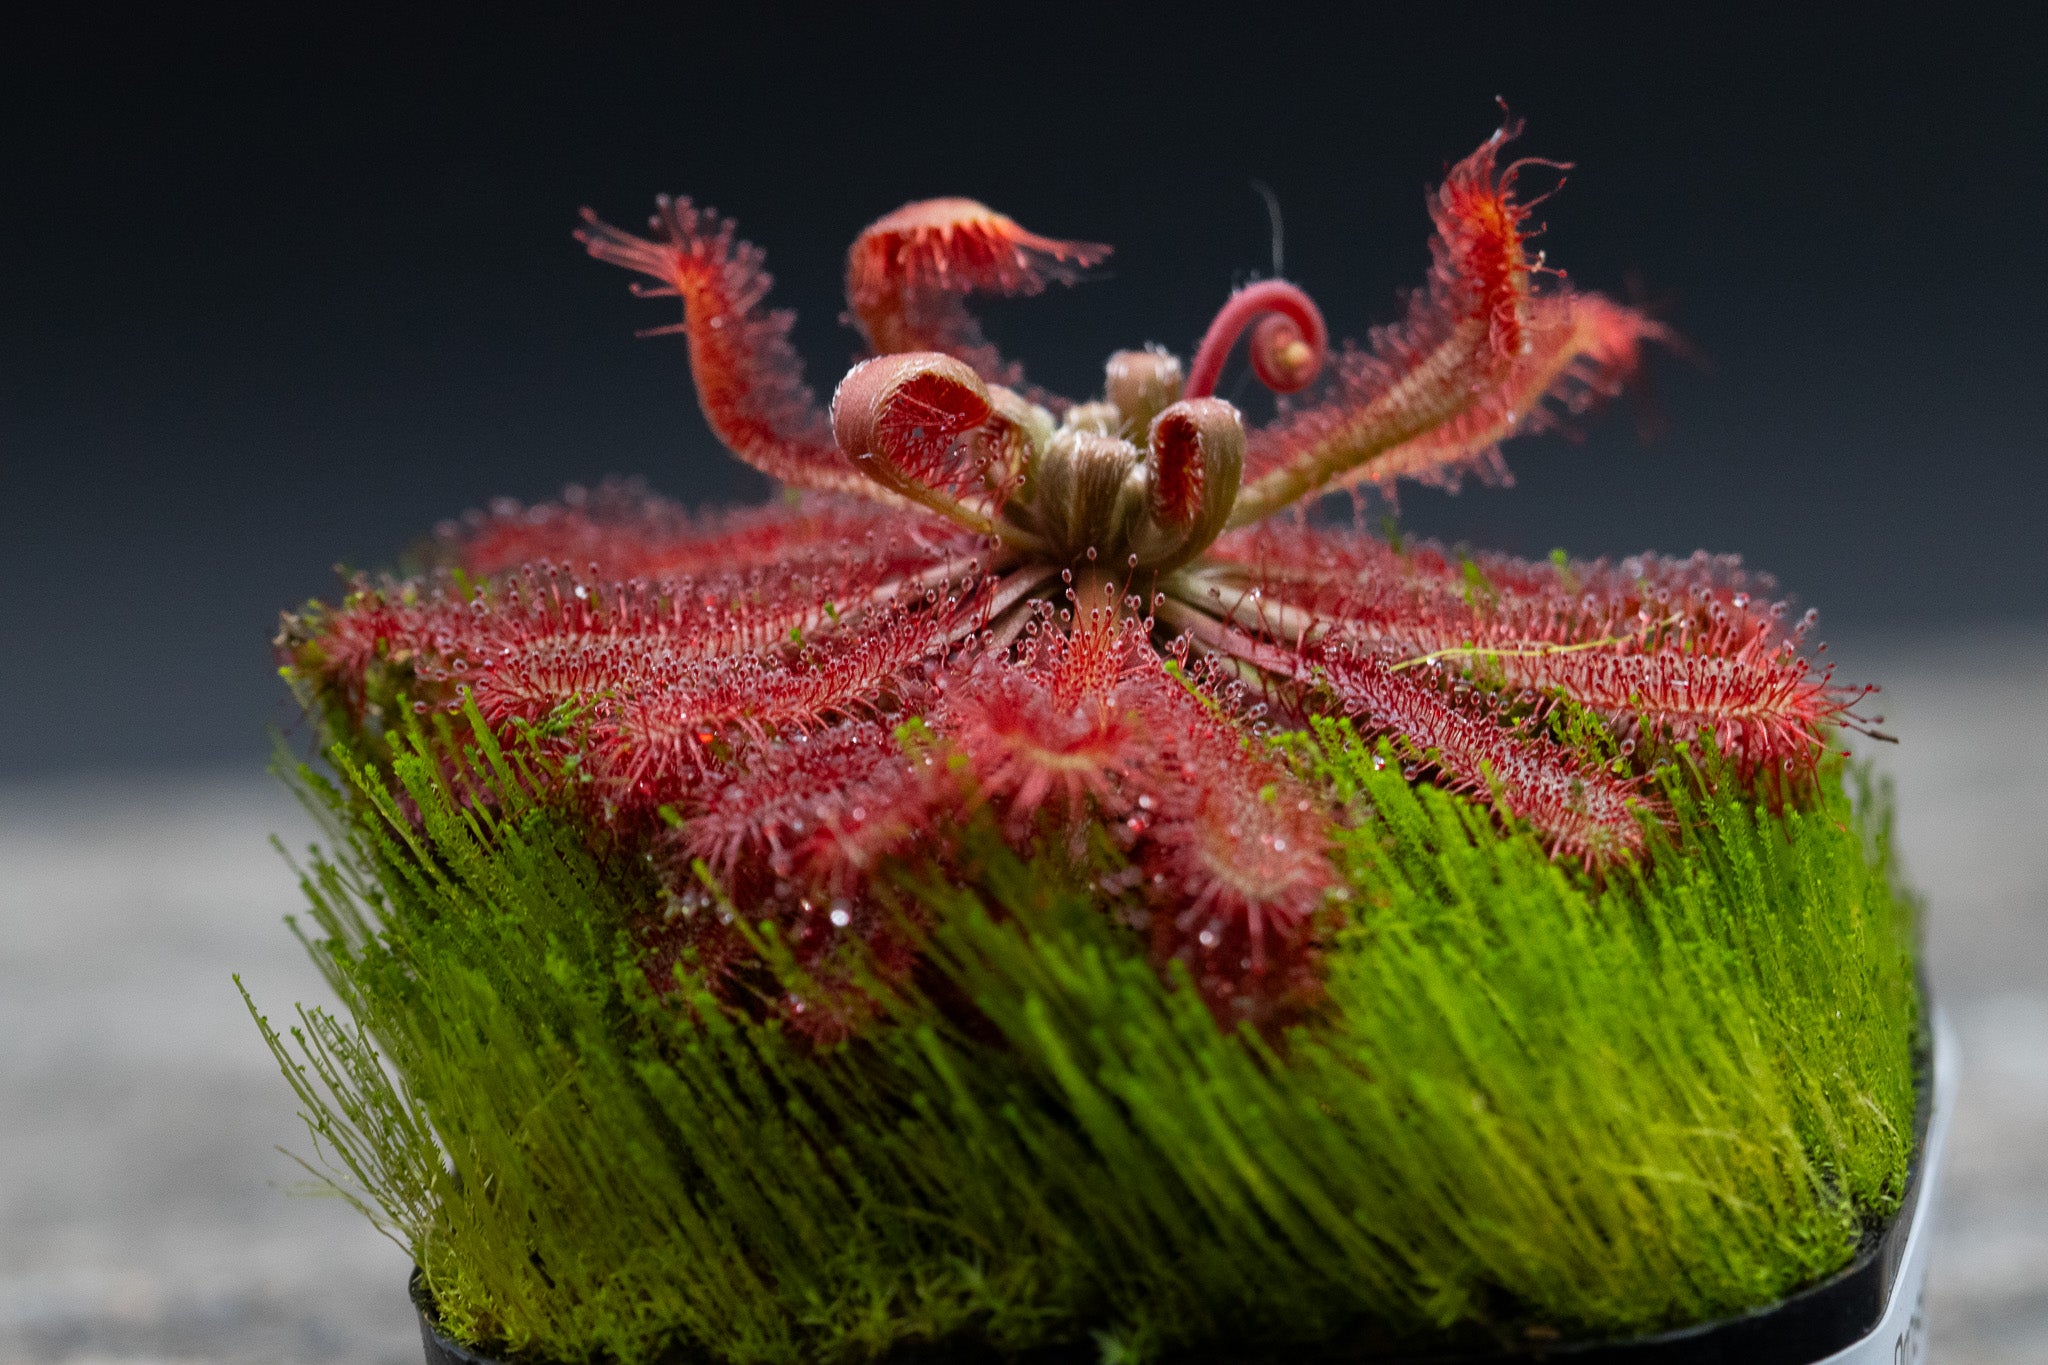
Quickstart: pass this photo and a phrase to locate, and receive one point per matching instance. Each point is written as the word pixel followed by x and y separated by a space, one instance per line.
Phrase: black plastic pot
pixel 1868 1313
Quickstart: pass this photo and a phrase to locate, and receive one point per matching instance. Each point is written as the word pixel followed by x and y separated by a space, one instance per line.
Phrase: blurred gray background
pixel 277 295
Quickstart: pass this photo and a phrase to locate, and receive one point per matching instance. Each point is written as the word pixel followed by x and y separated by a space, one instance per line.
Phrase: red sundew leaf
pixel 541 638
pixel 749 379
pixel 1763 704
pixel 1196 459
pixel 1343 576
pixel 820 810
pixel 1055 728
pixel 1234 856
pixel 1178 485
pixel 348 644
pixel 1231 848
pixel 620 531
pixel 1472 363
pixel 1677 647
pixel 901 419
pixel 1578 349
pixel 698 940
pixel 1653 584
pixel 794 834
pixel 908 272
pixel 1031 751
pixel 667 677
pixel 1102 654
pixel 1582 811
pixel 666 728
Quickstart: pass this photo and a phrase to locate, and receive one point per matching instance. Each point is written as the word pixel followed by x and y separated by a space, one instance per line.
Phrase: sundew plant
pixel 1014 894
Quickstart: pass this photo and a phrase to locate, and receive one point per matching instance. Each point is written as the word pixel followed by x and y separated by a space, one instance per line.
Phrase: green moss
pixel 1534 1103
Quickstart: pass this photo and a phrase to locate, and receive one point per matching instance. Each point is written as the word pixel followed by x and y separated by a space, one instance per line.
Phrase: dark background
pixel 273 299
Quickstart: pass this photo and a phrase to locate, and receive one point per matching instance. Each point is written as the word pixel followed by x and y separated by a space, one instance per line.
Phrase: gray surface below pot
pixel 140 1215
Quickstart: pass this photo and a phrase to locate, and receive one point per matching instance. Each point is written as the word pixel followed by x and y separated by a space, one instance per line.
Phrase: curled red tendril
pixel 1288 345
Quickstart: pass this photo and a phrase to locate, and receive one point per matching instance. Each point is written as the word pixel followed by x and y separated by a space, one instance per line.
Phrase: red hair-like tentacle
pixel 909 272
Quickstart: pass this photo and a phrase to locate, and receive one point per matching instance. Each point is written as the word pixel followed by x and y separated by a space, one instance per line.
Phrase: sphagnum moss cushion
pixel 1015 893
